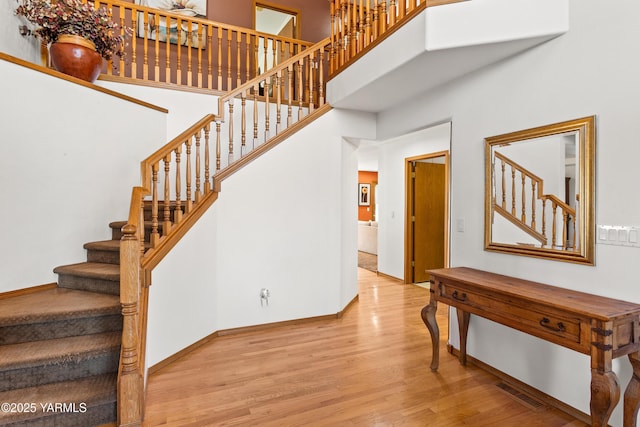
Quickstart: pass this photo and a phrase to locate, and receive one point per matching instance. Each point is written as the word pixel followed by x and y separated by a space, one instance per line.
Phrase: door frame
pixel 278 8
pixel 409 205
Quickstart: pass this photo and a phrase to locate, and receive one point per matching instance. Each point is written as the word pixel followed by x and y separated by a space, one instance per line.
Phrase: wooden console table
pixel 602 327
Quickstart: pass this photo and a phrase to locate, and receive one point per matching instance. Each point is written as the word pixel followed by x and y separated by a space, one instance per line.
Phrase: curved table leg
pixel 632 393
pixel 428 314
pixel 605 393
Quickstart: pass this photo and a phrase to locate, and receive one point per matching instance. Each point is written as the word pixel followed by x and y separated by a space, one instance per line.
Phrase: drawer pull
pixel 545 324
pixel 457 297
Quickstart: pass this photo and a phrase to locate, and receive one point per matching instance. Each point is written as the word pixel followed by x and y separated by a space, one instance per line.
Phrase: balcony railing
pixel 169 48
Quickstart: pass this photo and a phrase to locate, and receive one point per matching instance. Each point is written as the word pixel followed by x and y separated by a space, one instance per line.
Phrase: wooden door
pixel 429 198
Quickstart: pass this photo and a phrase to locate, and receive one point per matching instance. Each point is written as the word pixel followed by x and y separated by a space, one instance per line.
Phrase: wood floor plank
pixel 368 368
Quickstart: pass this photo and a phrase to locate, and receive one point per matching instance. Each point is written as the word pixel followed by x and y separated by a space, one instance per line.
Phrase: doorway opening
pixel 427 215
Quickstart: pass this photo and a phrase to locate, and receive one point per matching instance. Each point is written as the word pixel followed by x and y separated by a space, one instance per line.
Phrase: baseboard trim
pixel 245 329
pixel 26 291
pixel 388 276
pixel 525 388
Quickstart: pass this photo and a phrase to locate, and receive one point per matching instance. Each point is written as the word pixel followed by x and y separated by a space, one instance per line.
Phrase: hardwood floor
pixel 369 368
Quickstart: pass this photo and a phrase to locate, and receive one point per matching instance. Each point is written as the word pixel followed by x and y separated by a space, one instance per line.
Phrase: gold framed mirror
pixel 539 192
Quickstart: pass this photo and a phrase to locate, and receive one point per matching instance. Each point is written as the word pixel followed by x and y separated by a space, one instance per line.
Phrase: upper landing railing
pixel 357 25
pixel 166 47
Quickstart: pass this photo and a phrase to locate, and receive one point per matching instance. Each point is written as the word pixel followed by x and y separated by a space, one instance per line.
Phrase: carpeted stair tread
pixel 104 245
pixel 54 304
pixel 58 351
pixel 97 393
pixel 94 270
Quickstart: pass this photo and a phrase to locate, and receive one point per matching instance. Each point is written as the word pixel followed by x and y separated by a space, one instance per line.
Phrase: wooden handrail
pixel 530 225
pixel 204 54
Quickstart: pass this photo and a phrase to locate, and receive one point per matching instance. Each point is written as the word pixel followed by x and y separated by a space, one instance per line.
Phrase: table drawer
pixel 539 321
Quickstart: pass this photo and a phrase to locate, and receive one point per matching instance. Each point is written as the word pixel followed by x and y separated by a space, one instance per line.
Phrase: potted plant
pixel 73 27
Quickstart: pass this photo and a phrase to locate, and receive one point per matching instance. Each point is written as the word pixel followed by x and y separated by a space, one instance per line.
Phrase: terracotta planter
pixel 77 57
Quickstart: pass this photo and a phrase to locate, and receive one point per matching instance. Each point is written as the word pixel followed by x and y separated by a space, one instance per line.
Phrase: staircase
pixel 59 347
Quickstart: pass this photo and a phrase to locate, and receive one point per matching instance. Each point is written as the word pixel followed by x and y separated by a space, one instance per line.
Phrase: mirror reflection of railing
pixel 563 223
pixel 205 54
pixel 539 192
pixel 357 24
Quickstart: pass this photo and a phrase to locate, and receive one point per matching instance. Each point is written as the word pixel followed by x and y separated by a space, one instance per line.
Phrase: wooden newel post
pixel 129 377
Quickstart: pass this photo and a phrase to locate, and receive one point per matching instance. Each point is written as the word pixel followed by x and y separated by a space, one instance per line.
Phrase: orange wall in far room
pixel 365 213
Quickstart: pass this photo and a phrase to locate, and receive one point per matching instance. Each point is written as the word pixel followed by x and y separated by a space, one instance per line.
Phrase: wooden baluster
pixel 243 127
pixel 533 205
pixel 207 183
pixel 344 18
pixel 189 177
pixel 110 14
pixel 166 224
pixel 523 217
pixel 311 87
pixel 247 49
pixel 156 60
pixel 402 8
pixel 267 108
pixel 332 14
pixel 282 43
pixel 134 36
pixel 392 13
pixel 219 58
pixel 376 20
pixel 274 51
pixel 167 50
pixel 229 40
pixel 179 53
pixel 503 188
pixel 155 236
pixel 544 218
pixel 278 100
pixel 121 70
pixel 200 42
pixel 554 226
pixel 256 56
pixel 210 57
pixel 218 146
pixel 189 41
pixel 230 158
pixel 145 50
pixel 321 79
pixel 256 89
pixel 565 240
pixel 238 56
pixel 412 5
pixel 383 17
pixel 300 92
pixel 177 214
pixel 367 24
pixel 265 54
pixel 198 193
pixel 290 93
pixel 513 191
pixel 360 26
pixel 349 32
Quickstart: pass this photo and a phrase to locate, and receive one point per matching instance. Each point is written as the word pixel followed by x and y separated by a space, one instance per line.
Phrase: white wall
pixel 65 172
pixel 587 71
pixel 391 191
pixel 286 223
pixel 11 42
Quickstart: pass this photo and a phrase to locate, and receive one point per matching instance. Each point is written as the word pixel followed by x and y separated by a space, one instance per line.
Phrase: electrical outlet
pixel 618 235
pixel 264 296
